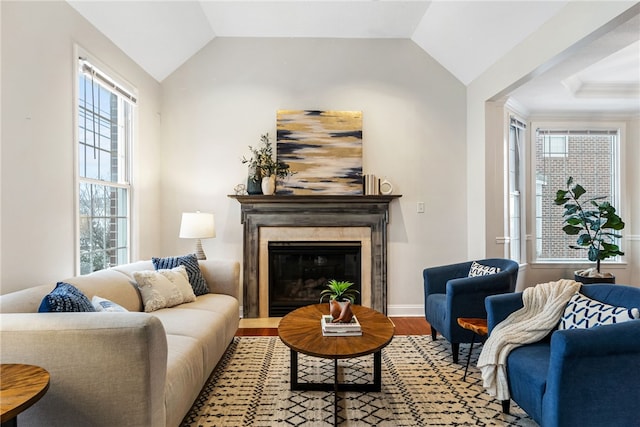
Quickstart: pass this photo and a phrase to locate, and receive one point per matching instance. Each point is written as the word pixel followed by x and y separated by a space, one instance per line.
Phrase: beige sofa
pixel 121 369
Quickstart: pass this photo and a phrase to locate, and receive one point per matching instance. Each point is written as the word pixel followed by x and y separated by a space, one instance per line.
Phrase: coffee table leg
pixel 335 392
pixel 294 370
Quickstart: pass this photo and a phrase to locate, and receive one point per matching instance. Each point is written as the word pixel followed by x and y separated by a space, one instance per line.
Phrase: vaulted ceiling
pixel 465 37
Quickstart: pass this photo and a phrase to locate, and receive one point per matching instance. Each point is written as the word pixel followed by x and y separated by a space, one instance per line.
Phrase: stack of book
pixel 330 329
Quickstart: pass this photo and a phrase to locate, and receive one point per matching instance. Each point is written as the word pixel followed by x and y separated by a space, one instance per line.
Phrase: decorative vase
pixel 268 185
pixel 340 311
pixel 253 187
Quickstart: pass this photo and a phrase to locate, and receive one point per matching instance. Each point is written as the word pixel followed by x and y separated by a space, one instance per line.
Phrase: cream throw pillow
pixel 157 290
pixel 178 276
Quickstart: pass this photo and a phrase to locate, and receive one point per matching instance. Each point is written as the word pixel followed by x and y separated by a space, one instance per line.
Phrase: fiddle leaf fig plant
pixel 339 290
pixel 594 222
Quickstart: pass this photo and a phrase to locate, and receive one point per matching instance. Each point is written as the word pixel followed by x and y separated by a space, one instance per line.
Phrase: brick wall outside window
pixel 589 161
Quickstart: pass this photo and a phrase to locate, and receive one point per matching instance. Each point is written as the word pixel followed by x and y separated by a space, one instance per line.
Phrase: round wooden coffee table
pixel 301 331
pixel 20 387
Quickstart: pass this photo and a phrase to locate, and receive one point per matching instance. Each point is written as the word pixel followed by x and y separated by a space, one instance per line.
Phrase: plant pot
pixel 589 280
pixel 340 310
pixel 253 187
pixel 268 185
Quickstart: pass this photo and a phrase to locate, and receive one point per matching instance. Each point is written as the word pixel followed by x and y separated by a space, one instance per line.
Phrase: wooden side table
pixel 477 327
pixel 20 387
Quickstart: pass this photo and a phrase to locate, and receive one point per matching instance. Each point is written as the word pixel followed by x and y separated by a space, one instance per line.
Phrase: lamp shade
pixel 197 225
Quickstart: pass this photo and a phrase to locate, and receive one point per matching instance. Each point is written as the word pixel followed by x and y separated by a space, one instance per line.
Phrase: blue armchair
pixel 577 377
pixel 449 293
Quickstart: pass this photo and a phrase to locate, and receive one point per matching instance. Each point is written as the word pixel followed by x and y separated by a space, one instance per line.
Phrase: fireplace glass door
pixel 299 271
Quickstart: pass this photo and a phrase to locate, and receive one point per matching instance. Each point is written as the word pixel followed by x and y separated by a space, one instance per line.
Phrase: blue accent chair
pixel 577 377
pixel 449 293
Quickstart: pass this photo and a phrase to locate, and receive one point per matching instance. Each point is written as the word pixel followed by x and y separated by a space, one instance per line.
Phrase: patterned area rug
pixel 420 387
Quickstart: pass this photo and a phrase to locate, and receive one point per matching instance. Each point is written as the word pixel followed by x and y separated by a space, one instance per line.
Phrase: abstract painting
pixel 323 149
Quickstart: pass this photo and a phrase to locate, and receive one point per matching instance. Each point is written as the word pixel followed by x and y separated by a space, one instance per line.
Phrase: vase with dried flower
pixel 263 169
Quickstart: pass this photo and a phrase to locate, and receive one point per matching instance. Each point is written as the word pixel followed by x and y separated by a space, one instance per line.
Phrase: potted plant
pixel 596 224
pixel 263 169
pixel 341 296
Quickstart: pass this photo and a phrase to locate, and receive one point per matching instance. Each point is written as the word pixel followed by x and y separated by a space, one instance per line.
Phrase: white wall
pixel 227 95
pixel 573 25
pixel 38 142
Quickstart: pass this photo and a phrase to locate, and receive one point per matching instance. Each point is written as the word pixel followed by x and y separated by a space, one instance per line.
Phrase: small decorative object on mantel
pixel 263 169
pixel 596 230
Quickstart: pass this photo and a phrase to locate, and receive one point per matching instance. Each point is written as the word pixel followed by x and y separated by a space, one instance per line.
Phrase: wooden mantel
pixel 314 211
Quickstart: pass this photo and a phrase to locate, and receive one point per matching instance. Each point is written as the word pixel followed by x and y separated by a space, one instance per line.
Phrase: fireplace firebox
pixel 299 271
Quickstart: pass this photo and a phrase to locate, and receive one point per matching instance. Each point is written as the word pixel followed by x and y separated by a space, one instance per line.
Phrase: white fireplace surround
pixel 313 234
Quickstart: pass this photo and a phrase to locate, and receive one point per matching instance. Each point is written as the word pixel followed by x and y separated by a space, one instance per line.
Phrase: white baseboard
pixel 405 310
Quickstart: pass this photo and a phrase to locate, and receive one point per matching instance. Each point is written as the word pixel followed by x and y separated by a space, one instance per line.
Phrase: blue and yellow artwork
pixel 323 149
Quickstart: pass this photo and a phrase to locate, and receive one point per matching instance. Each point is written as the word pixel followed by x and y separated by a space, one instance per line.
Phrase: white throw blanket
pixel 543 308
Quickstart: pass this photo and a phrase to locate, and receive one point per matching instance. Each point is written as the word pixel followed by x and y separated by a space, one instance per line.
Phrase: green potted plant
pixel 263 168
pixel 341 296
pixel 339 291
pixel 596 223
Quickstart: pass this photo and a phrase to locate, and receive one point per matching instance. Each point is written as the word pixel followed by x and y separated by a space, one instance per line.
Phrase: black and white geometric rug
pixel 421 386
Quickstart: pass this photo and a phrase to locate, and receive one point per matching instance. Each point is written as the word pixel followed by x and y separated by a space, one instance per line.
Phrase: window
pixel 591 157
pixel 555 145
pixel 516 143
pixel 105 117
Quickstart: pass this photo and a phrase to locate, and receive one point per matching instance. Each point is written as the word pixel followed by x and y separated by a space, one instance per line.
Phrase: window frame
pixel 520 239
pixel 123 90
pixel 619 199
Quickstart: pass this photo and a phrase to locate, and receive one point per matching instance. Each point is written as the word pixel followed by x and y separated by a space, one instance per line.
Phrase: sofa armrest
pixel 222 276
pixel 499 307
pixel 435 278
pixel 105 369
pixel 593 376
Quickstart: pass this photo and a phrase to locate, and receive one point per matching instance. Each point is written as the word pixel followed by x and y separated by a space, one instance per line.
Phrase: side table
pixel 477 327
pixel 21 386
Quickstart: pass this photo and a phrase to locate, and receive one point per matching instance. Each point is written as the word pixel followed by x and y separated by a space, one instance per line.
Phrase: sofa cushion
pixel 478 269
pixel 102 304
pixel 65 298
pixel 583 312
pixel 190 262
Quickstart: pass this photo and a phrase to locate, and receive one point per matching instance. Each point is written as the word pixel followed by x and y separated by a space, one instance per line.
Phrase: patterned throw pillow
pixel 478 269
pixel 583 312
pixel 190 262
pixel 156 290
pixel 102 304
pixel 65 298
pixel 180 279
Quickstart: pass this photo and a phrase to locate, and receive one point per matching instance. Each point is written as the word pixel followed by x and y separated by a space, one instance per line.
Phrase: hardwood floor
pixel 269 327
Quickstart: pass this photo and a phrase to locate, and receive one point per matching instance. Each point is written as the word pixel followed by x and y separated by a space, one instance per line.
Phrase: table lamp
pixel 197 225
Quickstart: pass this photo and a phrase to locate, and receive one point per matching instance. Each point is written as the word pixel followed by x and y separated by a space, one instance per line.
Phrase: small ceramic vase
pixel 344 315
pixel 269 185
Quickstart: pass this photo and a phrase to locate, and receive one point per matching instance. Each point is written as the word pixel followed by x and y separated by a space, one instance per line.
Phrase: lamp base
pixel 199 251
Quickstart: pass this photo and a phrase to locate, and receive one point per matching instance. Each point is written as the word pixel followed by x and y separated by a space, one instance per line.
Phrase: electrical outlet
pixel 420 208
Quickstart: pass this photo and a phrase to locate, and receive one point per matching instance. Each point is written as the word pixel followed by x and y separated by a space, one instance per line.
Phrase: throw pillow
pixel 156 290
pixel 478 269
pixel 583 312
pixel 178 276
pixel 102 304
pixel 190 262
pixel 65 298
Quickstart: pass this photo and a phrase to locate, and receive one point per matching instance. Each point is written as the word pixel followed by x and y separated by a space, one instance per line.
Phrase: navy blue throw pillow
pixel 190 262
pixel 65 298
